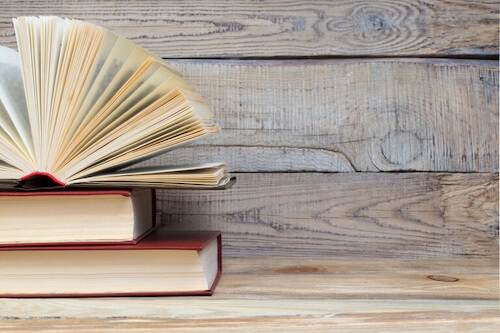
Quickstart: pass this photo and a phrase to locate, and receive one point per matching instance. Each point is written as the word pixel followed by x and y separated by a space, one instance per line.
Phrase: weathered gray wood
pixel 401 215
pixel 348 115
pixel 320 116
pixel 284 28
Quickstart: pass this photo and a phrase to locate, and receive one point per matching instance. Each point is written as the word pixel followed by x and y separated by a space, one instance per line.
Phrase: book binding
pixel 83 192
pixel 177 240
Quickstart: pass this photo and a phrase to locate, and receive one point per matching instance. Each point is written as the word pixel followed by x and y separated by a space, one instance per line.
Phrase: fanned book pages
pixel 79 104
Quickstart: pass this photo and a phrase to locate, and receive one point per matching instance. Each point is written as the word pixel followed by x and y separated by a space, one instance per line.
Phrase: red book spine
pixel 43 173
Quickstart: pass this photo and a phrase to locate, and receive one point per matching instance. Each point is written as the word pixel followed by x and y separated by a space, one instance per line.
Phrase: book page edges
pixel 46 245
pixel 69 191
pixel 196 245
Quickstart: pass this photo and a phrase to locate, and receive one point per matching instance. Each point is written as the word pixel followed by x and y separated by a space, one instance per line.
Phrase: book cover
pixel 74 275
pixel 76 216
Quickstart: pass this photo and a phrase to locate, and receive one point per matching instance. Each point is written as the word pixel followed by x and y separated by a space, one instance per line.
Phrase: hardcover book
pixel 79 105
pixel 163 263
pixel 76 216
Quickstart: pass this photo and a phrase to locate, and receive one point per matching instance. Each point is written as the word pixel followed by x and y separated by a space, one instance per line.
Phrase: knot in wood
pixel 366 24
pixel 373 24
pixel 400 147
pixel 443 278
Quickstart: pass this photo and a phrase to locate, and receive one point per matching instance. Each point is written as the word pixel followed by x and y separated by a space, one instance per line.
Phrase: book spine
pixel 43 173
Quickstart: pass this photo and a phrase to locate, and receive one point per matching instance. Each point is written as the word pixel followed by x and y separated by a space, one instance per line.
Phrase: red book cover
pixel 159 239
pixel 78 192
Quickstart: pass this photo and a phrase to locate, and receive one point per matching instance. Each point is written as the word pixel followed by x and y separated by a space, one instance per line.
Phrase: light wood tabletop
pixel 292 294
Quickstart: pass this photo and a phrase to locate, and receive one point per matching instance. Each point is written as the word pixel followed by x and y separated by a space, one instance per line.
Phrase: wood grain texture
pixel 482 319
pixel 371 252
pixel 284 28
pixel 458 295
pixel 401 215
pixel 347 115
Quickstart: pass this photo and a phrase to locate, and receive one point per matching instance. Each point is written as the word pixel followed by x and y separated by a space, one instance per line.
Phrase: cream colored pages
pixel 109 62
pixel 94 81
pixel 123 62
pixel 161 118
pixel 130 107
pixel 116 75
pixel 93 102
pixel 8 132
pixel 78 59
pixel 51 53
pixel 27 43
pixel 8 172
pixel 13 110
pixel 138 97
pixel 209 174
pixel 13 163
pixel 95 127
pixel 101 271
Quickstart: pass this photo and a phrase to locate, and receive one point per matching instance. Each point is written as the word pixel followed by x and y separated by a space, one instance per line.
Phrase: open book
pixel 78 104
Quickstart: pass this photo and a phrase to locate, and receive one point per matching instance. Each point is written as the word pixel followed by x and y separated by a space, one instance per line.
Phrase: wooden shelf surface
pixel 293 294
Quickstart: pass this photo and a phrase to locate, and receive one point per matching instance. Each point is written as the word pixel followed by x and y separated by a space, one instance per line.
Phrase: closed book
pixel 163 263
pixel 75 216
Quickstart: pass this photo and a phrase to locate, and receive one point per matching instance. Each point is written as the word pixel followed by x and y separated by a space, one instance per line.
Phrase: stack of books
pixel 79 106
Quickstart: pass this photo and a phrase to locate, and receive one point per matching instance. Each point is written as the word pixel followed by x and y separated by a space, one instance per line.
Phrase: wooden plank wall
pixel 284 28
pixel 366 128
